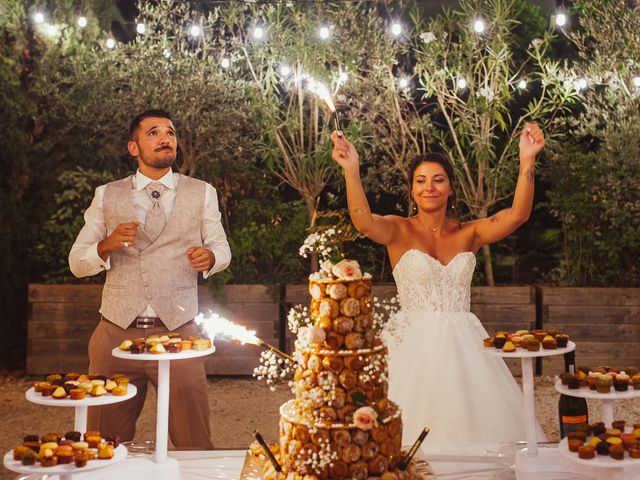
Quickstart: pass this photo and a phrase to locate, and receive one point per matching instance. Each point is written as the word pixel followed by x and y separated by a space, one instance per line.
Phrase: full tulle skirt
pixel 442 379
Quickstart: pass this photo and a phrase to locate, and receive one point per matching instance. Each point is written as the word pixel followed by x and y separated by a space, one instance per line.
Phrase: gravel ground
pixel 238 406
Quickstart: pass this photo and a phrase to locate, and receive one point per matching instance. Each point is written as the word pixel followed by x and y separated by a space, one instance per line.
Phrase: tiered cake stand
pixel 81 406
pixel 530 461
pixel 65 472
pixel 603 467
pixel 169 467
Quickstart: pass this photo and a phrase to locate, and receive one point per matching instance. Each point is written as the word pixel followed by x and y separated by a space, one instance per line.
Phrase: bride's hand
pixel 344 152
pixel 531 141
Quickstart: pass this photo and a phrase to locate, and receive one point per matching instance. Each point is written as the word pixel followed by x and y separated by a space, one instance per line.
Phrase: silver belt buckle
pixel 145 322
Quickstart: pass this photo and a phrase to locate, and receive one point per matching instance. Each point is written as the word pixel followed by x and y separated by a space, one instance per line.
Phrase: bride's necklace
pixel 435 229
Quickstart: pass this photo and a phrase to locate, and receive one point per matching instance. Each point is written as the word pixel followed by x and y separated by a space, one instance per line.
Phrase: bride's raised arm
pixel 378 228
pixel 507 221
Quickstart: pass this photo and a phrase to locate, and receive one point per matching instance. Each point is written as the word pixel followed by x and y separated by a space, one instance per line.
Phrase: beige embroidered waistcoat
pixel 154 273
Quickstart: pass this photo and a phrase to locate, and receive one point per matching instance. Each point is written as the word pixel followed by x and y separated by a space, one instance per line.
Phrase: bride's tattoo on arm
pixel 528 174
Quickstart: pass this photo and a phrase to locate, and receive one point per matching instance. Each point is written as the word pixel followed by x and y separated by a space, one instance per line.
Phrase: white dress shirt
pixel 84 260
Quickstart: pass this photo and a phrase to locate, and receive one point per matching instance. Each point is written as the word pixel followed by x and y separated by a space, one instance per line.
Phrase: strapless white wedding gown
pixel 438 373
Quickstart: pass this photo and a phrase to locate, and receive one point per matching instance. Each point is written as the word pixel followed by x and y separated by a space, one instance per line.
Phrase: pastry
pixel 98 391
pixel 65 457
pixel 119 391
pixel 105 451
pixel 55 379
pixel 137 347
pixel 201 344
pixel 509 346
pixel 603 384
pixel 617 427
pixel 47 390
pixel 80 458
pixel 574 444
pixel 110 385
pixel 603 448
pixel 532 345
pixel 634 453
pixel 174 347
pixel 499 342
pixel 80 446
pixel 488 342
pixel 621 382
pixel 93 442
pixel 28 459
pixel 586 452
pixel 77 393
pixel 616 452
pixel 562 340
pixel 156 348
pixel 549 343
pixel 125 345
pixel 73 436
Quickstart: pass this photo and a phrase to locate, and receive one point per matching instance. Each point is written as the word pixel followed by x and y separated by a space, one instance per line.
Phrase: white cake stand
pixel 64 472
pixel 81 406
pixel 606 399
pixel 164 360
pixel 526 358
pixel 604 467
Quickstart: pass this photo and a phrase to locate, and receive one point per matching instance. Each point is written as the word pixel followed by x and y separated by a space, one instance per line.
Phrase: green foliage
pixel 264 238
pixel 58 233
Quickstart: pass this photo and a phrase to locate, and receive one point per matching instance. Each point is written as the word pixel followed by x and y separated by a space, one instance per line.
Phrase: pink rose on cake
pixel 347 270
pixel 308 335
pixel 365 418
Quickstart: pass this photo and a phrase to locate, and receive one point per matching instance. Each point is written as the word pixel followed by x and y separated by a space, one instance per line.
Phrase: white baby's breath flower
pixel 487 93
pixel 427 37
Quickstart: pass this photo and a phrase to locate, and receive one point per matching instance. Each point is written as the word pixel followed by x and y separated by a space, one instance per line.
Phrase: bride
pixel 437 371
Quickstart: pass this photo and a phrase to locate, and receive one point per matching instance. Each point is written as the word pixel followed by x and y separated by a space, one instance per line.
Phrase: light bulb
pixel 561 19
pixel 225 63
pixel 522 84
pixel 403 82
pixel 479 26
pixel 396 29
pixel 194 31
pixel 167 53
pixel 82 21
pixel 285 70
pixel 324 33
pixel 581 83
pixel 462 84
pixel 111 43
pixel 636 81
pixel 52 30
pixel 38 17
pixel 140 28
pixel 258 33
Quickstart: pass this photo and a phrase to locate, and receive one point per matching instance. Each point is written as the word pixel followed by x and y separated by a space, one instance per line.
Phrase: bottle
pixel 572 411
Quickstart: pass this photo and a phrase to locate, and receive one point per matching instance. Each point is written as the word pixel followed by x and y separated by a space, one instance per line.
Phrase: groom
pixel 152 232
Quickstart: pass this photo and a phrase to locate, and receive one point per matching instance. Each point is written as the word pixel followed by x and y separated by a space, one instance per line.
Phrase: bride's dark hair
pixel 443 161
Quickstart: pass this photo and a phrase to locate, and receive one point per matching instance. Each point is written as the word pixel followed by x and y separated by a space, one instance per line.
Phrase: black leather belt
pixel 146 322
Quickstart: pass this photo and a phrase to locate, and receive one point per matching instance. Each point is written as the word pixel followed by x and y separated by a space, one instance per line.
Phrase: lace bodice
pixel 425 284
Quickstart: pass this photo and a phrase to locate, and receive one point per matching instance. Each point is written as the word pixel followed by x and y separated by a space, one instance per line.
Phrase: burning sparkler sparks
pixel 322 91
pixel 216 326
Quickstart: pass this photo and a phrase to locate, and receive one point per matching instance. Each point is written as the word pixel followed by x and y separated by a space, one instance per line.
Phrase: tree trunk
pixel 311 212
pixel 488 264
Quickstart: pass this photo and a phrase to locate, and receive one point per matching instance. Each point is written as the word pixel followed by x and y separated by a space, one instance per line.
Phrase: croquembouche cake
pixel 340 425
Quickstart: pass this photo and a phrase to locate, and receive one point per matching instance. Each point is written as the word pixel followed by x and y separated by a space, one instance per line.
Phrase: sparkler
pixel 214 325
pixel 267 451
pixel 414 448
pixel 322 91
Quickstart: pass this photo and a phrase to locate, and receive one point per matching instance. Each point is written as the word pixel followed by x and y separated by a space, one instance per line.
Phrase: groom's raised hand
pixel 201 259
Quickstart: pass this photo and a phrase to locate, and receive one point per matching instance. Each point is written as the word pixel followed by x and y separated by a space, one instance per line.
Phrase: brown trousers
pixel 188 403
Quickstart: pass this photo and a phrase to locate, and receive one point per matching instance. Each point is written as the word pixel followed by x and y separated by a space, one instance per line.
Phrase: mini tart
pixel 55 379
pixel 619 425
pixel 49 461
pixel 33 445
pixel 174 347
pixel 509 346
pixel 71 376
pixel 98 391
pixel 202 344
pixel 52 437
pixel 80 446
pixel 603 448
pixel 122 380
pixel 80 458
pixel 48 389
pixel 20 451
pixel 634 452
pixel 77 393
pixel 549 343
pixel 38 386
pixel 48 446
pixel 532 345
pixel 586 452
pixel 157 348
pixel 28 459
pixel 577 434
pixel 110 385
pixel 562 340
pixel 614 440
pixel 499 342
pixel 93 442
pixel 91 433
pixel 119 391
pixel 137 347
pixel 614 431
pixel 65 457
pixel 594 441
pixel 73 436
pixel 105 451
pixel 616 452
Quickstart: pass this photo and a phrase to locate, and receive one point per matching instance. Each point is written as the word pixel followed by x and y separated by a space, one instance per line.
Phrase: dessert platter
pixel 64 455
pixel 341 423
pixel 80 391
pixel 163 349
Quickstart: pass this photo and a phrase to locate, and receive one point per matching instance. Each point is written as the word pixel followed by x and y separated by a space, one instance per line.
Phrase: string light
pixel 522 84
pixel 112 43
pixel 636 81
pixel 52 30
pixel 561 18
pixel 462 83
pixel 581 83
pixel 225 63
pixel 324 32
pixel 479 25
pixel 194 31
pixel 167 53
pixel 258 33
pixel 403 82
pixel 38 17
pixel 396 29
pixel 140 28
pixel 82 21
pixel 285 70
